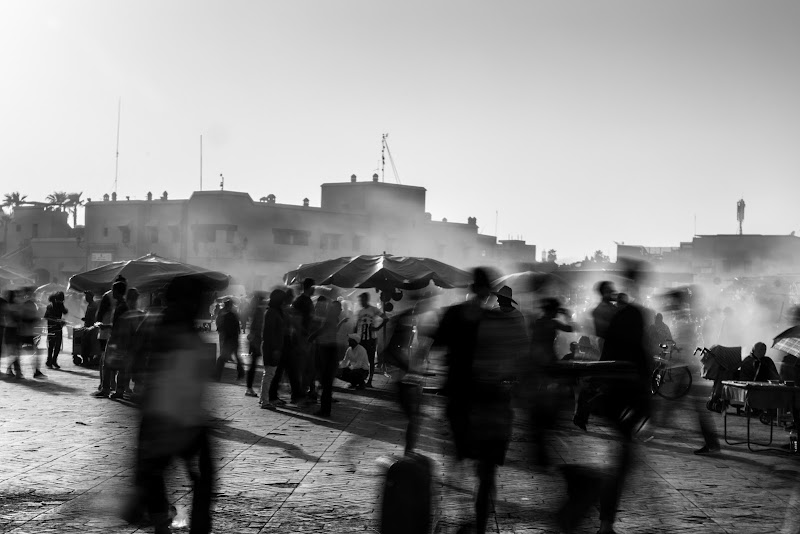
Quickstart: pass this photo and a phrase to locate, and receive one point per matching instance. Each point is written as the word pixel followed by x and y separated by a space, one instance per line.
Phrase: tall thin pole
pixel 116 166
pixel 201 163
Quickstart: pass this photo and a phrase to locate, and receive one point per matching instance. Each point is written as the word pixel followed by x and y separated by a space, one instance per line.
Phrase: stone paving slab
pixel 65 466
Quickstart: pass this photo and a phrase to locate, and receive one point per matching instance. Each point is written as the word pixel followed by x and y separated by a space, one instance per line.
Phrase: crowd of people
pixel 501 361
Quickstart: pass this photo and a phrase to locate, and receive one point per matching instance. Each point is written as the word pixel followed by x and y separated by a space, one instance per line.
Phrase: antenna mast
pixel 391 159
pixel 201 163
pixel 116 165
pixel 383 156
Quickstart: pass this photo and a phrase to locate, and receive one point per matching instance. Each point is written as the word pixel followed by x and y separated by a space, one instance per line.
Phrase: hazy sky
pixel 582 123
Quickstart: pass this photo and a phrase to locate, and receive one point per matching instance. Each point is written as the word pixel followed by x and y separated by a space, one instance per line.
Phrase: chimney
pixel 128 198
pixel 271 199
pixel 149 195
pixel 353 178
pixel 375 177
pixel 164 196
pixel 305 202
pixel 114 196
pixel 105 197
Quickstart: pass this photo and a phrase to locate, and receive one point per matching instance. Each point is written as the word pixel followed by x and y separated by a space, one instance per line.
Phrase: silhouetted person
pixel 228 328
pixel 89 338
pixel 273 337
pixel 658 333
pixel 304 356
pixel 605 310
pixel 258 308
pixel 11 319
pixel 328 354
pixel 174 417
pixel 27 331
pixel 289 353
pixel 757 366
pixel 55 325
pixel 484 346
pixel 625 404
pixel 105 317
pixel 368 322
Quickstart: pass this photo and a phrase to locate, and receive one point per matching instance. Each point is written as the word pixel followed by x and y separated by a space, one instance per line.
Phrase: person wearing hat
pixel 505 302
pixel 228 328
pixel 354 368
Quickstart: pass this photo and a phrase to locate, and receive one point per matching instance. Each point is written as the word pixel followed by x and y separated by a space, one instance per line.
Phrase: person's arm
pixel 102 308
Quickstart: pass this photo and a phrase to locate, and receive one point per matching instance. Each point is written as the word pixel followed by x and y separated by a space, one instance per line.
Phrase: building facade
pixel 257 242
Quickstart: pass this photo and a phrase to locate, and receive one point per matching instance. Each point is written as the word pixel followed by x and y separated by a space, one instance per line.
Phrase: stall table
pixel 758 396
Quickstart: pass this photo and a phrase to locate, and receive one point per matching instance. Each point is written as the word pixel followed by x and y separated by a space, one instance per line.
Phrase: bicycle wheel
pixel 675 383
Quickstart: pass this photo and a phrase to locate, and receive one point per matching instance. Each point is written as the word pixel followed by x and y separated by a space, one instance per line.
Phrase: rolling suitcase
pixel 407 496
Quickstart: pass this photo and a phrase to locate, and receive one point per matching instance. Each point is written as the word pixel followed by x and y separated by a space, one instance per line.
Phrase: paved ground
pixel 65 465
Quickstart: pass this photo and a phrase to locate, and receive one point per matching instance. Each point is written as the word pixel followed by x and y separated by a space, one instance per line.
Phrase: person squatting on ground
pixel 228 328
pixel 174 414
pixel 55 325
pixel 354 368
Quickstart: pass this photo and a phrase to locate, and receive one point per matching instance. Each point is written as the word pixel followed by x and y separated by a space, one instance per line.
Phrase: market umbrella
pixel 788 341
pixel 147 274
pixel 50 288
pixel 383 272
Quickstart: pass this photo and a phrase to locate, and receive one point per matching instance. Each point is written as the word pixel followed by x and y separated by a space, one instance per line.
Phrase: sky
pixel 572 125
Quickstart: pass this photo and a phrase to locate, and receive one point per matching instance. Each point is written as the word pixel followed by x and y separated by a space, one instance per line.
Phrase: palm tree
pixel 5 222
pixel 57 198
pixel 74 201
pixel 12 200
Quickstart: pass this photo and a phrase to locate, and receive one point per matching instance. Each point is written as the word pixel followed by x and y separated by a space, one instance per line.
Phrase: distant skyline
pixel 578 123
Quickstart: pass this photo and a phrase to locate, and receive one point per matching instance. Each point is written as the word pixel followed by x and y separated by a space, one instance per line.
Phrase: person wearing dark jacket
pixel 273 336
pixel 625 403
pixel 89 338
pixel 257 311
pixel 228 328
pixel 55 325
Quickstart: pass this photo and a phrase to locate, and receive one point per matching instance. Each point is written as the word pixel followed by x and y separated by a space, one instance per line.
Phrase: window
pixel 105 232
pixel 35 230
pixel 229 234
pixel 329 241
pixel 126 234
pixel 152 234
pixel 290 237
pixel 175 234
pixel 205 233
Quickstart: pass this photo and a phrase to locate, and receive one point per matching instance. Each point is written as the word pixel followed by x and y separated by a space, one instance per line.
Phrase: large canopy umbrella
pixel 383 272
pixel 788 341
pixel 147 274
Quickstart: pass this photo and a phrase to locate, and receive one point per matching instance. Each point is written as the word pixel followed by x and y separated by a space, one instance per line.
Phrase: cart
pixel 719 363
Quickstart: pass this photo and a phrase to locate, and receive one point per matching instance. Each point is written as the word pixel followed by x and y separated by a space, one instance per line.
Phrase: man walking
pixel 228 328
pixel 368 322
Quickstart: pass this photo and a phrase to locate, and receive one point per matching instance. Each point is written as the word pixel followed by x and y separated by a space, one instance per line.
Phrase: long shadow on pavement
pixel 44 385
pixel 223 430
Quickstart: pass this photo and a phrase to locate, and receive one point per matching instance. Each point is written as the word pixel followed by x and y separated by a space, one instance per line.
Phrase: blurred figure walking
pixel 228 328
pixel 174 415
pixel 484 348
pixel 258 308
pixel 273 335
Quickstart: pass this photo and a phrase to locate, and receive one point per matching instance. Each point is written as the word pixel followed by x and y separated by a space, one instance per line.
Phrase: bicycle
pixel 670 381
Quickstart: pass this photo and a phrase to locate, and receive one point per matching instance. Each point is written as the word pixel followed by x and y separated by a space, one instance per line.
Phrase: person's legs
pixel 486 475
pixel 327 361
pixel 224 356
pixel 203 484
pixel 270 372
pixel 274 383
pixel 255 353
pixel 369 345
pixel 57 343
pixel 294 369
pixel 51 344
